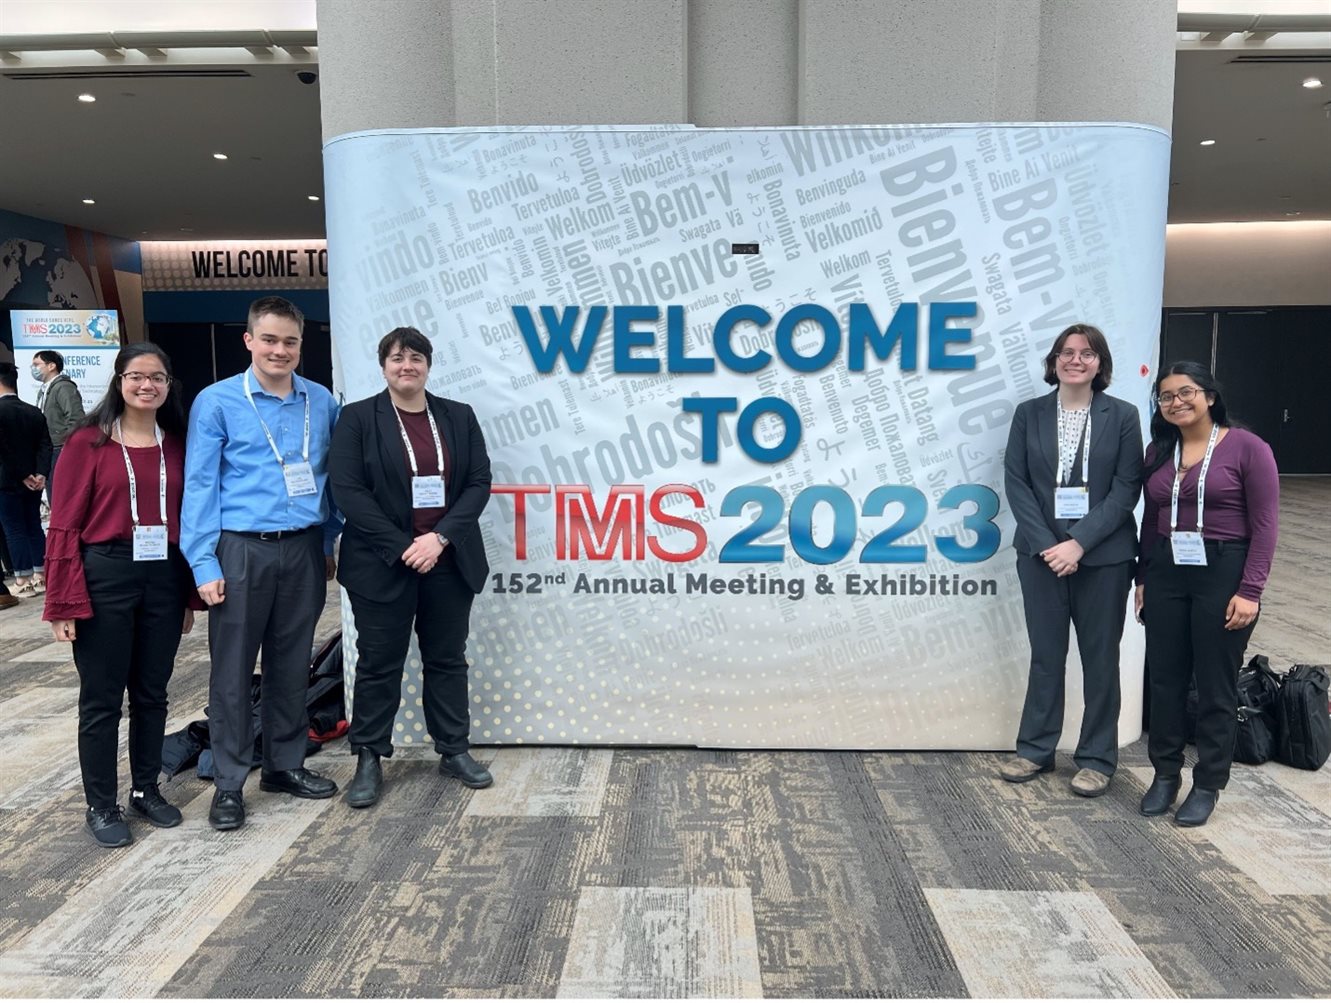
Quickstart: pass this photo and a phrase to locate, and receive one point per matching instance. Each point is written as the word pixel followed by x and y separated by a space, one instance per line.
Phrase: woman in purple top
pixel 1200 580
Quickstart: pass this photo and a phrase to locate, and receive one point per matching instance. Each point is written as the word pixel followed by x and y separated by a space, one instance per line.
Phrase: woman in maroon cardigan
pixel 117 586
pixel 1204 563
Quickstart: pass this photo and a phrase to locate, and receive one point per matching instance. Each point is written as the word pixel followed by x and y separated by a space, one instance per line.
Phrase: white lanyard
pixel 406 441
pixel 1201 481
pixel 133 483
pixel 305 451
pixel 1068 458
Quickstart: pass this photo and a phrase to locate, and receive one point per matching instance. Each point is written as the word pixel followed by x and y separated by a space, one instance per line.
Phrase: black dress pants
pixel 440 602
pixel 1094 599
pixel 1184 609
pixel 138 608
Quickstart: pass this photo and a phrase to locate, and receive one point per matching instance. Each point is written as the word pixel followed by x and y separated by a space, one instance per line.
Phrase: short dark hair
pixel 8 375
pixel 407 339
pixel 1099 345
pixel 52 357
pixel 278 307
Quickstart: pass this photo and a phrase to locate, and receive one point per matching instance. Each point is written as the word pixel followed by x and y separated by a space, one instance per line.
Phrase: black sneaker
pixel 156 809
pixel 108 827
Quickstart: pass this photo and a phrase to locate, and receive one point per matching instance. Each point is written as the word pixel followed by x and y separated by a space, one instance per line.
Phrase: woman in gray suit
pixel 1075 550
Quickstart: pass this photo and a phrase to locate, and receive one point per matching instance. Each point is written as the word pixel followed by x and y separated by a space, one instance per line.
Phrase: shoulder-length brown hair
pixel 1096 340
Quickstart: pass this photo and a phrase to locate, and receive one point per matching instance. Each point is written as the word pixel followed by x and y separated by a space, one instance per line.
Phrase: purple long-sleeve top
pixel 1242 503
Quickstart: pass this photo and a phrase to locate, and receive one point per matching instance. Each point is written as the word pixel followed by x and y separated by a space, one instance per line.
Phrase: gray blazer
pixel 1108 532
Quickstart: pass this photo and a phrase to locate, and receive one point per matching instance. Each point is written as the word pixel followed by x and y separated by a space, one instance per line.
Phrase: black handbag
pixel 1257 739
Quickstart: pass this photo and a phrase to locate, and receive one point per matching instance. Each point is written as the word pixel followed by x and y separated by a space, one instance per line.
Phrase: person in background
pixel 25 464
pixel 118 588
pixel 411 475
pixel 1073 474
pixel 1207 539
pixel 258 532
pixel 59 401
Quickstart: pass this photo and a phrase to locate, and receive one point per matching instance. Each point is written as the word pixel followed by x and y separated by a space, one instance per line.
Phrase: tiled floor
pixel 672 872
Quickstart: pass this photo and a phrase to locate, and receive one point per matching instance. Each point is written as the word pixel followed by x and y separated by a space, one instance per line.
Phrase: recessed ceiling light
pixel 1296 212
pixel 219 156
pixel 89 201
pixel 1207 142
pixel 1312 83
pixel 1285 198
pixel 90 98
pixel 313 198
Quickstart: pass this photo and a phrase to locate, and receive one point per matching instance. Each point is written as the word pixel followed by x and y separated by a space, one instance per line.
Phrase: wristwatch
pixel 443 540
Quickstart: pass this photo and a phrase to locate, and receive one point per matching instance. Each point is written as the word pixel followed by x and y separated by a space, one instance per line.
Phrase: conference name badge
pixel 300 479
pixel 150 543
pixel 427 492
pixel 1188 549
pixel 1071 503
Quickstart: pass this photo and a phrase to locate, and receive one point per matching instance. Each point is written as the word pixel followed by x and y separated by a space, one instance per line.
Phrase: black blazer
pixel 371 485
pixel 25 443
pixel 1108 532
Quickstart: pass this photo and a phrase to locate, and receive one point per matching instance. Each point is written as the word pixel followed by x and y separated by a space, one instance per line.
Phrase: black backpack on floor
pixel 1257 739
pixel 1304 721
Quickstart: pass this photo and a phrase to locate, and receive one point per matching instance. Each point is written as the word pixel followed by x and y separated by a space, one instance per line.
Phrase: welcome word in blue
pixel 572 335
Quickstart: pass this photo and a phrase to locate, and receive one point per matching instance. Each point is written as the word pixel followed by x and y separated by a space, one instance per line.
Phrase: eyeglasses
pixel 1087 355
pixel 138 379
pixel 1184 394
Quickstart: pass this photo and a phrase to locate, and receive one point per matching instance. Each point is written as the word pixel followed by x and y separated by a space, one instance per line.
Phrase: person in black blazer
pixel 411 475
pixel 1075 544
pixel 25 464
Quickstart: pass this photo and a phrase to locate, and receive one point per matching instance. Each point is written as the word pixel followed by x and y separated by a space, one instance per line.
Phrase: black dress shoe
pixel 368 781
pixel 1196 807
pixel 156 809
pixel 108 827
pixel 228 810
pixel 466 769
pixel 301 783
pixel 1159 797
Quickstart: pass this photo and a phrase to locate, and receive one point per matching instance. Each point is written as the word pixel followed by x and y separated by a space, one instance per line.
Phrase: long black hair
pixel 170 416
pixel 1164 436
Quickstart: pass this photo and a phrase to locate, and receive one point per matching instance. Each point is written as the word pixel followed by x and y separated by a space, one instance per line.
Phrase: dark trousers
pixel 138 608
pixel 50 478
pixel 21 519
pixel 1184 610
pixel 1094 600
pixel 275 591
pixel 441 603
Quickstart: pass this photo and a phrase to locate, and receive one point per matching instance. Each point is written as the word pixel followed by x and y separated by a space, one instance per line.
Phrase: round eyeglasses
pixel 1086 355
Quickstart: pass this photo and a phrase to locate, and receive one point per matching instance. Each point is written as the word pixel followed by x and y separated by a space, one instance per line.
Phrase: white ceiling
pixel 144 150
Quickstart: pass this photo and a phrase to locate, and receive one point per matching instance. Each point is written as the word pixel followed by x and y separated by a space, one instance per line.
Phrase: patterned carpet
pixel 671 872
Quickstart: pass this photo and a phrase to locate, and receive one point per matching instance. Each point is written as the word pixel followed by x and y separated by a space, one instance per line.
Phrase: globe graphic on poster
pixel 33 274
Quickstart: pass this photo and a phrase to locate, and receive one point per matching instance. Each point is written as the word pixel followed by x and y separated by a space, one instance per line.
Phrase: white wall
pixel 1248 264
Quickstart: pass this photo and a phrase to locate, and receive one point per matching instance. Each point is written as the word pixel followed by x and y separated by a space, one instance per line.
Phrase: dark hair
pixel 1164 436
pixel 170 416
pixel 52 357
pixel 408 339
pixel 1096 340
pixel 8 375
pixel 278 307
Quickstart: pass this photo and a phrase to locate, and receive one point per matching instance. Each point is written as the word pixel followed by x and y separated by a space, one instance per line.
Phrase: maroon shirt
pixel 1242 503
pixel 91 505
pixel 417 424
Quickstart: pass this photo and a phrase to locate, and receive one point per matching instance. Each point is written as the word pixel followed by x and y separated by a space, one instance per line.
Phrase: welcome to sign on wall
pixel 746 394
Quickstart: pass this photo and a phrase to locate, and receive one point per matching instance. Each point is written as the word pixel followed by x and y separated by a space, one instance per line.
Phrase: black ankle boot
pixel 1159 797
pixel 368 781
pixel 1196 807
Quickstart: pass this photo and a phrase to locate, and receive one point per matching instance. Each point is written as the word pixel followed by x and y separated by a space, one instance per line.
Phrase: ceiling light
pixel 89 201
pixel 219 156
pixel 1207 142
pixel 313 198
pixel 1312 83
pixel 90 98
pixel 1296 212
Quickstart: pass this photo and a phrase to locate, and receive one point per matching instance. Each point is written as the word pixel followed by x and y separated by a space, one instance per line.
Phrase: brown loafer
pixel 1090 783
pixel 1018 770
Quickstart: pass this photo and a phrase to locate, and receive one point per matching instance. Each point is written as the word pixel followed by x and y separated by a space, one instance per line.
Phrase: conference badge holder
pixel 1071 503
pixel 427 492
pixel 300 479
pixel 149 543
pixel 1188 549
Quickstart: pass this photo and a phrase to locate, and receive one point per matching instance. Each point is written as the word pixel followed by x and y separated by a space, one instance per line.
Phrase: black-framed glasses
pixel 1183 394
pixel 1088 355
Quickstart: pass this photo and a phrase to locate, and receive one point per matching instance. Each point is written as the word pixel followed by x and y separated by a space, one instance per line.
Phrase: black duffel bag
pixel 1257 739
pixel 1304 721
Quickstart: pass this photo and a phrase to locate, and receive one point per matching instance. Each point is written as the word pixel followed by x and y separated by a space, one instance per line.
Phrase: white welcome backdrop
pixel 1038 226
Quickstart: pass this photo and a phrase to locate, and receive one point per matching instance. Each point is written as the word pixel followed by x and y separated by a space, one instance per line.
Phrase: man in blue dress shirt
pixel 258 528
